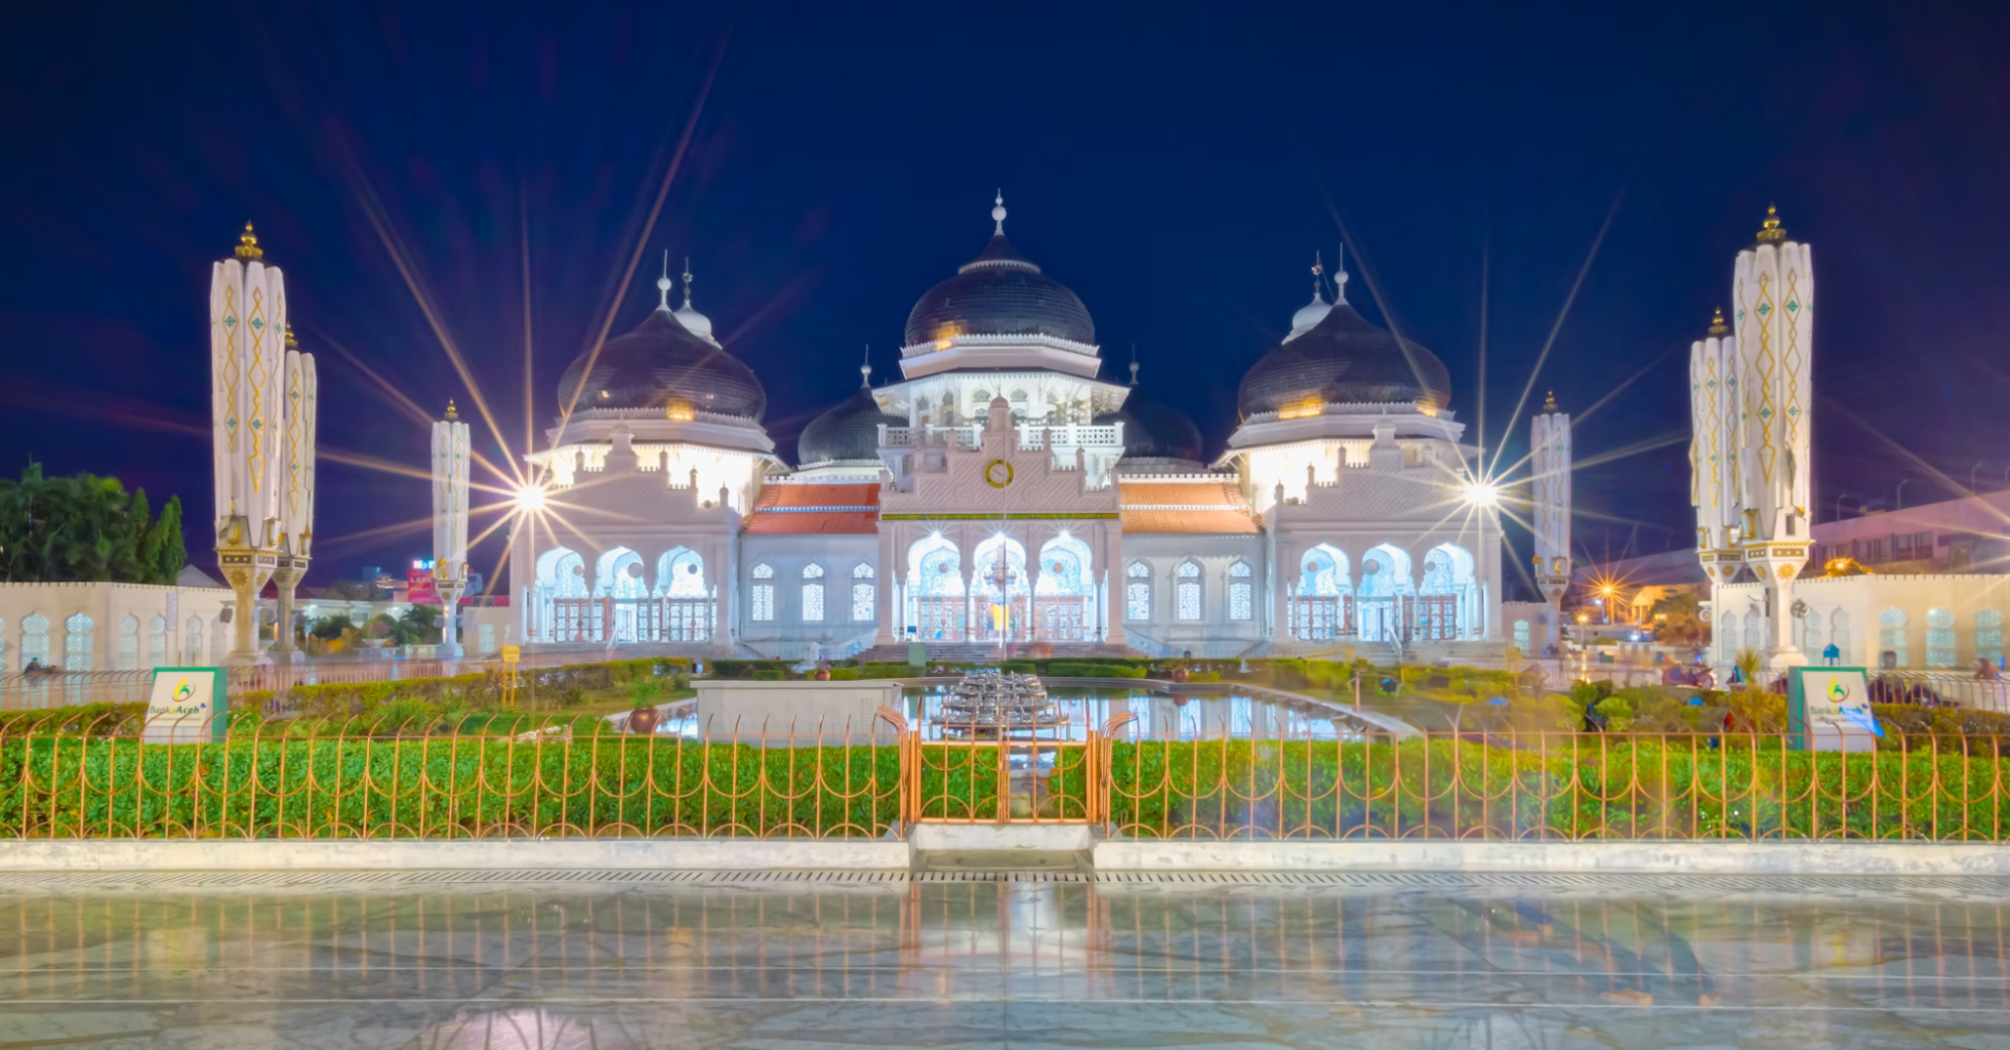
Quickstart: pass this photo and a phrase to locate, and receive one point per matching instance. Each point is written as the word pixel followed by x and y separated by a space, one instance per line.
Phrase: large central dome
pixel 662 364
pixel 1344 360
pixel 1000 294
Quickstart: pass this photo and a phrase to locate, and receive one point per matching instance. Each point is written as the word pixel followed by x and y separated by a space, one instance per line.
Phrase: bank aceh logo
pixel 182 691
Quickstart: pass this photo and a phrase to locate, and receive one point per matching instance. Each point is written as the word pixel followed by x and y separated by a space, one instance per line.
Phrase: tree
pixel 85 529
pixel 1678 619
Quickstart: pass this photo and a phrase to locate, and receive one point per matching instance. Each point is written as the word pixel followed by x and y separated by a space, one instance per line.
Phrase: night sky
pixel 1176 165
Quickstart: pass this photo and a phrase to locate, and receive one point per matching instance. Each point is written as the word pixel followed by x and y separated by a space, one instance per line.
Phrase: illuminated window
pixel 762 602
pixel 129 642
pixel 1839 633
pixel 1939 636
pixel 1186 590
pixel 1988 636
pixel 813 593
pixel 1241 595
pixel 157 641
pixel 77 643
pixel 862 594
pixel 35 640
pixel 1138 592
pixel 191 642
pixel 1891 635
pixel 1521 635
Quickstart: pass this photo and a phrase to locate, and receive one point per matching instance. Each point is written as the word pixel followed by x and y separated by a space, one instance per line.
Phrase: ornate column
pixel 247 322
pixel 1549 443
pixel 296 539
pixel 1773 295
pixel 1716 484
pixel 450 525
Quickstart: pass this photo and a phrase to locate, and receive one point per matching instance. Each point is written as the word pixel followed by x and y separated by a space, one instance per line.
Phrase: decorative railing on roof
pixel 1032 436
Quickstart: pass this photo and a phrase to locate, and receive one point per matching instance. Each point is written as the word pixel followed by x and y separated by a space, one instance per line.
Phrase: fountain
pixel 991 704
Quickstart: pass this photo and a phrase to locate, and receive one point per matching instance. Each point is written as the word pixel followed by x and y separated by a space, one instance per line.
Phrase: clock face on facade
pixel 998 473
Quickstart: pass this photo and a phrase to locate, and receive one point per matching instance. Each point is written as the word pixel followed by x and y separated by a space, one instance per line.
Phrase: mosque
pixel 1004 491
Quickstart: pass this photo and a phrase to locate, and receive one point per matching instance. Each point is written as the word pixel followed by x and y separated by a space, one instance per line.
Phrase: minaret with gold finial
pixel 1549 448
pixel 247 353
pixel 1773 314
pixel 296 534
pixel 1715 485
pixel 450 525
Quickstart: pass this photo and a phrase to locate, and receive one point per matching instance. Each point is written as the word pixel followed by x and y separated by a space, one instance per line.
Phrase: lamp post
pixel 1899 503
pixel 1837 516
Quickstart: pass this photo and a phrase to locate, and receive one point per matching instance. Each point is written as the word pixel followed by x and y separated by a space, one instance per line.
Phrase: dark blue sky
pixel 1177 165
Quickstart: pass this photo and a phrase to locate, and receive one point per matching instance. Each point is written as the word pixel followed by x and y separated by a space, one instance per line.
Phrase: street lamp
pixel 1899 504
pixel 1838 514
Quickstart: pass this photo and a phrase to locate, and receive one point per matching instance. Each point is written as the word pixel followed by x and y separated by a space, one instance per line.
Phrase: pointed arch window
pixel 34 640
pixel 1988 636
pixel 862 592
pixel 191 642
pixel 129 642
pixel 1891 635
pixel 1839 633
pixel 1138 591
pixel 1241 592
pixel 761 603
pixel 813 593
pixel 1186 590
pixel 1939 638
pixel 157 641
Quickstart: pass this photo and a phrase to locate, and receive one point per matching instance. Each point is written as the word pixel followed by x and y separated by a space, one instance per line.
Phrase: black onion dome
pixel 999 293
pixel 848 430
pixel 1344 359
pixel 661 364
pixel 1154 431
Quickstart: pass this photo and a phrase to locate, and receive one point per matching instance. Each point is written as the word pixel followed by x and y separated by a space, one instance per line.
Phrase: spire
pixel 453 414
pixel 1318 286
pixel 998 213
pixel 1340 275
pixel 1549 403
pixel 1134 372
pixel 687 277
pixel 1770 231
pixel 1717 325
pixel 865 369
pixel 290 343
pixel 693 321
pixel 663 283
pixel 247 245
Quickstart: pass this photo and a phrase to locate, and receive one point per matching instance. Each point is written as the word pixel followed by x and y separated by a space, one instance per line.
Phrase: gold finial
pixel 291 343
pixel 1770 229
pixel 1717 325
pixel 453 414
pixel 1549 403
pixel 247 245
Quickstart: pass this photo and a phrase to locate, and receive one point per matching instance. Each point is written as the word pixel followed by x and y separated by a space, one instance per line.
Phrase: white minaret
pixel 247 325
pixel 1773 296
pixel 450 524
pixel 1715 485
pixel 1549 443
pixel 296 532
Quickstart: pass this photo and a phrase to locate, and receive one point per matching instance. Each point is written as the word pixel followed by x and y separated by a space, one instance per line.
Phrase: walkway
pixel 980 959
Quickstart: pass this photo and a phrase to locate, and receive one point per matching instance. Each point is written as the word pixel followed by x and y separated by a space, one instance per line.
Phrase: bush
pixel 1083 669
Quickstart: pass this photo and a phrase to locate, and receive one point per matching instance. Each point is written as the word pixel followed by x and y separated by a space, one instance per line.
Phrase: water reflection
pixel 905 964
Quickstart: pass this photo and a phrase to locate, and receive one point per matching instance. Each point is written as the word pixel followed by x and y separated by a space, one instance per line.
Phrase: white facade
pixel 112 626
pixel 1923 623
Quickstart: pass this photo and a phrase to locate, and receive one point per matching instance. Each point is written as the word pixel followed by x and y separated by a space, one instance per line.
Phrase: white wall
pixel 121 631
pixel 1939 613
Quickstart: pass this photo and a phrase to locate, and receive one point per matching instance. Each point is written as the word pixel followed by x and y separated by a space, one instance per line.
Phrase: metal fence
pixel 1569 786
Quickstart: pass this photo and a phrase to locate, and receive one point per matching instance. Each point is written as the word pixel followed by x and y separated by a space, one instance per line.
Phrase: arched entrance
pixel 1447 602
pixel 680 609
pixel 999 583
pixel 1322 601
pixel 1064 600
pixel 936 607
pixel 560 598
pixel 619 583
pixel 1386 596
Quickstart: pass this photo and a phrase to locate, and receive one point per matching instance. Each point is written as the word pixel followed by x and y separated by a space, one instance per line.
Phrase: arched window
pixel 1811 634
pixel 1725 633
pixel 157 641
pixel 1755 630
pixel 1064 568
pixel 77 643
pixel 1241 594
pixel 191 642
pixel 1521 635
pixel 34 640
pixel 1988 636
pixel 1138 591
pixel 862 590
pixel 813 593
pixel 1939 638
pixel 680 573
pixel 1186 590
pixel 129 642
pixel 486 639
pixel 1891 636
pixel 761 604
pixel 1839 633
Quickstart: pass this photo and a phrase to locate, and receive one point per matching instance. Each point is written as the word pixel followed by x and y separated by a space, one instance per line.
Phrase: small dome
pixel 664 365
pixel 999 293
pixel 698 323
pixel 1308 315
pixel 1153 430
pixel 1344 359
pixel 846 432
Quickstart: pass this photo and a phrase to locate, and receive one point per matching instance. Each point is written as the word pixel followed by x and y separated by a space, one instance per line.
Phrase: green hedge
pixel 1450 788
pixel 347 698
pixel 455 788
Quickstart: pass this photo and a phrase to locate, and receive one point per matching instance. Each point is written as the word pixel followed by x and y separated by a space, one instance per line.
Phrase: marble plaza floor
pixel 604 961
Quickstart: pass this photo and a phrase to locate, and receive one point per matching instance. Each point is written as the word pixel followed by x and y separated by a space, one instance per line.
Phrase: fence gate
pixel 1008 781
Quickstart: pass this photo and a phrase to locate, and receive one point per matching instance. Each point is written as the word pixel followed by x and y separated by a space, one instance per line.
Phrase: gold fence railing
pixel 1537 785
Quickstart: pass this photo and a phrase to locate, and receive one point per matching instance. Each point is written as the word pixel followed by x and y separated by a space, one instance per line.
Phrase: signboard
pixel 511 653
pixel 187 705
pixel 419 589
pixel 1828 709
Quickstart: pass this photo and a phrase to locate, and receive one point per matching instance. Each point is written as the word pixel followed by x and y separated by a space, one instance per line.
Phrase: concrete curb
pixel 469 855
pixel 1665 858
